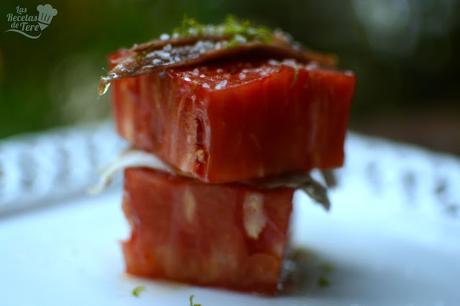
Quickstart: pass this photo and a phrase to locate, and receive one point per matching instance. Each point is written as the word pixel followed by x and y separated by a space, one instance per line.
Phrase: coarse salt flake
pixel 221 85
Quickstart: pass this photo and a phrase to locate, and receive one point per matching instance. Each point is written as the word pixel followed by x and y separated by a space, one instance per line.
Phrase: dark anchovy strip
pixel 316 191
pixel 160 55
pixel 175 42
pixel 329 177
pixel 166 57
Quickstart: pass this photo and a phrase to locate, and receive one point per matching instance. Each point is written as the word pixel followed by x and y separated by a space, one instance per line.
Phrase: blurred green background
pixel 404 52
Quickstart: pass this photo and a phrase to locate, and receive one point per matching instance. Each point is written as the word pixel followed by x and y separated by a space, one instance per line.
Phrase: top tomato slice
pixel 237 120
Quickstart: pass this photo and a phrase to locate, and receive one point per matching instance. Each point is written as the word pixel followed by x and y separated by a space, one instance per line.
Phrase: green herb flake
pixel 191 301
pixel 323 282
pixel 238 30
pixel 137 291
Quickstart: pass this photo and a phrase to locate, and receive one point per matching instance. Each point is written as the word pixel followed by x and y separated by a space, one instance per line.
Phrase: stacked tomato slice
pixel 239 120
pixel 226 235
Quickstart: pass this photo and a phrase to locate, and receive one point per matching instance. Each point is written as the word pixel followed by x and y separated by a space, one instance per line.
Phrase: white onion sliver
pixel 137 158
pixel 129 159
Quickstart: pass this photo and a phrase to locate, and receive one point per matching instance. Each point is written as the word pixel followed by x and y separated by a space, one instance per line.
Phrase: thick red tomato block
pixel 239 120
pixel 226 235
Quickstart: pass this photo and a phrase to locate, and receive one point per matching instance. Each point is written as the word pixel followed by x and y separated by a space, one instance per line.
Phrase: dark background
pixel 405 54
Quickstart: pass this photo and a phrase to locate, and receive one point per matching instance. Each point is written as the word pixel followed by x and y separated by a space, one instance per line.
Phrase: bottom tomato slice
pixel 230 235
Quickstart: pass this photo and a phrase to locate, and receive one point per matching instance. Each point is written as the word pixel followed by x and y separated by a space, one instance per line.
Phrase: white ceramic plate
pixel 392 237
pixel 69 255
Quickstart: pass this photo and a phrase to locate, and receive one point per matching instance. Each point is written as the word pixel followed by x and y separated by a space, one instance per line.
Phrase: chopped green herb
pixel 137 291
pixel 189 27
pixel 238 31
pixel 323 282
pixel 191 301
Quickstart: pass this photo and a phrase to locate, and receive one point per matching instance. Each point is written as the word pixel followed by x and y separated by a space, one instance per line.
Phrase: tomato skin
pixel 279 121
pixel 188 231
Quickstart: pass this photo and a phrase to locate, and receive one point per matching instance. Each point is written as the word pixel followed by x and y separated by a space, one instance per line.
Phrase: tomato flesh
pixel 227 235
pixel 237 120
